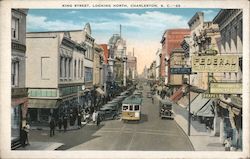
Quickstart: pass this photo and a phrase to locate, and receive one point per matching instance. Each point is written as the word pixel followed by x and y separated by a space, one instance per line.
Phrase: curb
pixel 69 129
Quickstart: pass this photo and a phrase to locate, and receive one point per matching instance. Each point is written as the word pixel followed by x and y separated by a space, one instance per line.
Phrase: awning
pixel 99 90
pixel 86 90
pixel 184 100
pixel 202 106
pixel 43 103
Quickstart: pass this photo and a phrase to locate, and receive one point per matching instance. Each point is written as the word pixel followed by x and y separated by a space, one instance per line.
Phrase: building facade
pixel 19 94
pixel 204 41
pixel 55 75
pixel 171 39
pixel 230 105
pixel 131 67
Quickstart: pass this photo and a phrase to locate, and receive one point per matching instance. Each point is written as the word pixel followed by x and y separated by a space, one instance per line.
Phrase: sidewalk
pixel 202 141
pixel 69 128
pixel 42 146
pixel 199 136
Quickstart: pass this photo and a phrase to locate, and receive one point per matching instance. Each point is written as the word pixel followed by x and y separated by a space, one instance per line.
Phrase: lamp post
pixel 125 71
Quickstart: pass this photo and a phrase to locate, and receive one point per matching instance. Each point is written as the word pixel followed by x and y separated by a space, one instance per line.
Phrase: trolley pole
pixel 189 116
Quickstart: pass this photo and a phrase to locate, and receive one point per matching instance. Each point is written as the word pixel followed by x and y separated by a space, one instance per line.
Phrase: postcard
pixel 124 79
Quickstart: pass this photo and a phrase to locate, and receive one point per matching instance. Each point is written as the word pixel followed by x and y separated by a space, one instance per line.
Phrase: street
pixel 150 134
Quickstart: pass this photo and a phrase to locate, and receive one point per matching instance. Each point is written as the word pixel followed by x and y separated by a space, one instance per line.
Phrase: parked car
pixel 108 113
pixel 149 94
pixel 165 109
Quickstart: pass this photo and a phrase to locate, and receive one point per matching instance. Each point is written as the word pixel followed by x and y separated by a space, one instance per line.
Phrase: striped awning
pixel 43 103
pixel 202 106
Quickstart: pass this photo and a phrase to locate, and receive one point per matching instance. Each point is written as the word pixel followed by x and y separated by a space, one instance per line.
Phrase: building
pixel 204 41
pixel 230 105
pixel 131 66
pixel 19 94
pixel 55 75
pixel 117 60
pixel 171 39
pixel 98 60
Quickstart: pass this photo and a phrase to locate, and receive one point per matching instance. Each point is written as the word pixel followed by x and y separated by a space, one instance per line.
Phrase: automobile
pixel 165 109
pixel 107 113
pixel 137 94
pixel 149 94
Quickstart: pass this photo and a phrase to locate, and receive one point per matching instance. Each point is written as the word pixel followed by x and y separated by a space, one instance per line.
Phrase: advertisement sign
pixel 226 88
pixel 220 63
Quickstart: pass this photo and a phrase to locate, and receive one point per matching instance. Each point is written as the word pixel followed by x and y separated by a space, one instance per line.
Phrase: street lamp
pixel 125 71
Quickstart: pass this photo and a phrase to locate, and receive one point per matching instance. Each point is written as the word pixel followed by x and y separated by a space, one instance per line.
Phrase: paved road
pixel 150 134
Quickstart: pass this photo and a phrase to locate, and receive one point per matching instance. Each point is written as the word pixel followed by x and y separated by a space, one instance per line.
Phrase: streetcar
pixel 131 108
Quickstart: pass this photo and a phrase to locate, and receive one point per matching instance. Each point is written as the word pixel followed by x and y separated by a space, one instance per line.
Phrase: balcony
pixel 19 92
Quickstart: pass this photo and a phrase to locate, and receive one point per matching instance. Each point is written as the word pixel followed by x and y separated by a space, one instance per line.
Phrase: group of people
pixel 62 123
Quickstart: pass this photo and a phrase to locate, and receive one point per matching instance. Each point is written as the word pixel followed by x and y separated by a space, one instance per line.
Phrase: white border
pixel 5 91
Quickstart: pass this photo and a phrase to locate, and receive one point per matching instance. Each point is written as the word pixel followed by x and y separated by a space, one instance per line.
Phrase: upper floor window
pixel 14 73
pixel 14 28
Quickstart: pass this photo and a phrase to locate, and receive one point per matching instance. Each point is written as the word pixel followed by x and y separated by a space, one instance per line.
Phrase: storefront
pixel 18 117
pixel 41 110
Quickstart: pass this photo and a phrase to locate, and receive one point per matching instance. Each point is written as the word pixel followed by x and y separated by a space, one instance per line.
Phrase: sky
pixel 141 28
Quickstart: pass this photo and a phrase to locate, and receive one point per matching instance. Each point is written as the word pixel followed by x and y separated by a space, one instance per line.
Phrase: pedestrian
pixel 79 120
pixel 152 99
pixel 23 136
pixel 52 126
pixel 27 129
pixel 60 124
pixel 227 143
pixel 65 123
pixel 98 120
pixel 94 116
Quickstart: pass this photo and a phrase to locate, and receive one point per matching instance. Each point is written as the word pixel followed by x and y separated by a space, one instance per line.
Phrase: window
pixel 14 73
pixel 75 69
pixel 69 68
pixel 45 68
pixel 79 68
pixel 125 107
pixel 137 107
pixel 65 67
pixel 131 107
pixel 14 28
pixel 88 74
pixel 61 66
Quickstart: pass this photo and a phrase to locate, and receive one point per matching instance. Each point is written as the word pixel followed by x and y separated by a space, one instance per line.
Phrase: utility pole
pixel 189 116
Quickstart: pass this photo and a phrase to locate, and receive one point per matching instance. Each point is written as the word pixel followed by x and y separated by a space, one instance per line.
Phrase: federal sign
pixel 226 88
pixel 210 95
pixel 218 63
pixel 180 70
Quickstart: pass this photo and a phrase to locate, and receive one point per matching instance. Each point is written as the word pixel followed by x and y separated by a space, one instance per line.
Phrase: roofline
pixel 57 31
